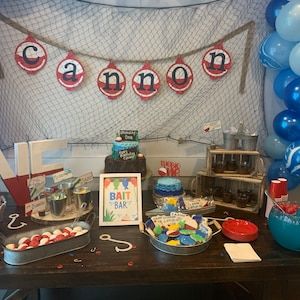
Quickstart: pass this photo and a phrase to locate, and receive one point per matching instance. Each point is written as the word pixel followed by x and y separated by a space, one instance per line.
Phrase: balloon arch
pixel 280 51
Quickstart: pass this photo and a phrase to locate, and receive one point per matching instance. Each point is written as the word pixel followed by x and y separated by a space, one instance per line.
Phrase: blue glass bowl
pixel 285 228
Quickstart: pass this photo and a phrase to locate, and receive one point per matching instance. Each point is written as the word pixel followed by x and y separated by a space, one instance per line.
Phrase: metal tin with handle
pixel 181 249
pixel 15 257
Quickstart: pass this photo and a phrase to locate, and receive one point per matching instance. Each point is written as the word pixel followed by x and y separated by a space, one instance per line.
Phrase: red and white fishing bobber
pixel 67 231
pixel 46 234
pixel 111 81
pixel 34 243
pixel 11 246
pixel 191 224
pixel 44 241
pixel 179 76
pixel 24 240
pixel 70 72
pixel 162 171
pixel 35 240
pixel 59 237
pixel 216 62
pixel 30 55
pixel 146 82
pixel 57 232
pixel 22 247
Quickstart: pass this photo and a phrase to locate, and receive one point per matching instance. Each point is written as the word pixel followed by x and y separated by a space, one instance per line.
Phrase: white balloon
pixel 294 59
pixel 287 22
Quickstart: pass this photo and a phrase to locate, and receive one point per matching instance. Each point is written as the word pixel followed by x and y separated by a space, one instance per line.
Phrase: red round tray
pixel 240 230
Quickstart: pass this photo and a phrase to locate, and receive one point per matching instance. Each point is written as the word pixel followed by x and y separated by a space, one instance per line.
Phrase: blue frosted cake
pixel 125 157
pixel 168 186
pixel 126 150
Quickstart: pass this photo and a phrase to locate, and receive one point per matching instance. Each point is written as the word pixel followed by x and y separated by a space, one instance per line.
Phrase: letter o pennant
pixel 30 55
pixel 146 82
pixel 179 76
pixel 111 81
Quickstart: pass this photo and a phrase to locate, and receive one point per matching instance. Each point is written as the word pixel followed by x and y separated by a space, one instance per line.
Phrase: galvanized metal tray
pixel 181 249
pixel 15 257
pixel 49 219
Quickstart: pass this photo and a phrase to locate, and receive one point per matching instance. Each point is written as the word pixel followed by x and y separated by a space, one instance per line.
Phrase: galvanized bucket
pixel 249 142
pixel 230 140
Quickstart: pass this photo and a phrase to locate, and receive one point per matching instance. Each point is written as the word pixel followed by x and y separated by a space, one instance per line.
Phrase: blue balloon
pixel 287 125
pixel 277 169
pixel 292 95
pixel 125 183
pixel 293 181
pixel 292 158
pixel 287 22
pixel 281 81
pixel 294 59
pixel 275 147
pixel 273 10
pixel 274 52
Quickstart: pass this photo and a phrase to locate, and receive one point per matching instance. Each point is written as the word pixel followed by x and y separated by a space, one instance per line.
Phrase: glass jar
pixel 242 199
pixel 231 163
pixel 227 196
pixel 244 164
pixel 218 165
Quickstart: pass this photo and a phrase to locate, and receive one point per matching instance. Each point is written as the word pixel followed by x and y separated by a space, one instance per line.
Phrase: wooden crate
pixel 207 184
pixel 233 163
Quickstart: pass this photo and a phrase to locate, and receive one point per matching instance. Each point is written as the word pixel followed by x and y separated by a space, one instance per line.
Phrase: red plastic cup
pixel 275 189
pixel 284 186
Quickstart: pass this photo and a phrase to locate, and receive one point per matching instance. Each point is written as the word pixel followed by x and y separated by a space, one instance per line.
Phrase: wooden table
pixel 278 274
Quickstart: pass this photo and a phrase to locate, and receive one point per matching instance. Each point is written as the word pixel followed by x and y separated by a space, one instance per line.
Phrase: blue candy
pixel 197 218
pixel 169 208
pixel 201 233
pixel 163 237
pixel 181 203
pixel 186 240
pixel 149 224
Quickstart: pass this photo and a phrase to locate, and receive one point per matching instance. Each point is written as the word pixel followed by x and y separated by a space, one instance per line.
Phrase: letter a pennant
pixel 70 72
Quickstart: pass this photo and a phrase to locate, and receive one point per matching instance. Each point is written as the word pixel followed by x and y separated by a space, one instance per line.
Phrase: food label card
pixel 129 135
pixel 35 206
pixel 85 178
pixel 63 175
pixel 36 186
